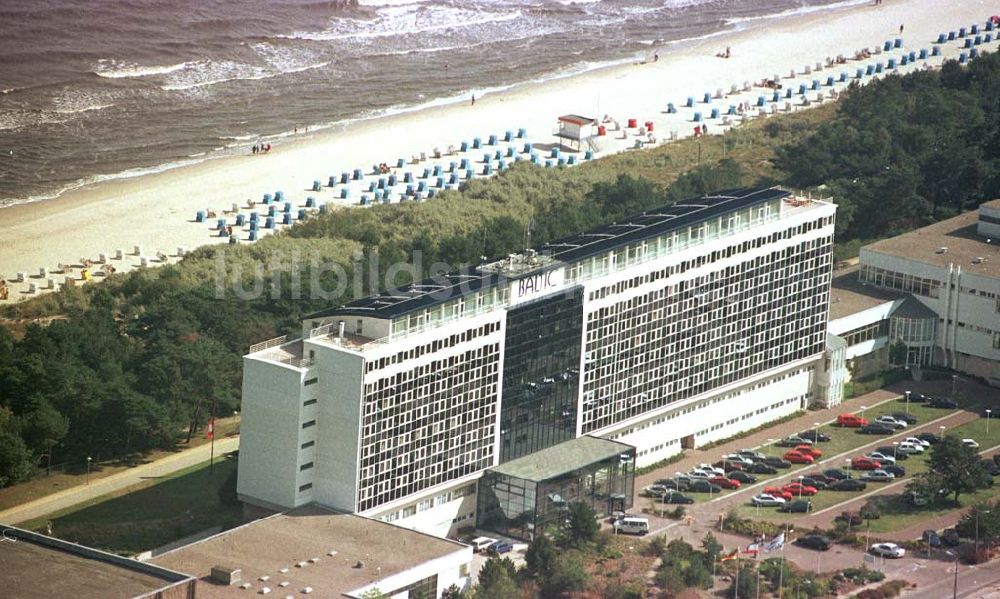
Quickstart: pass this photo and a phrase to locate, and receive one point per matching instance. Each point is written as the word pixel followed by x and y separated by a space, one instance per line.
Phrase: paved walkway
pixel 99 487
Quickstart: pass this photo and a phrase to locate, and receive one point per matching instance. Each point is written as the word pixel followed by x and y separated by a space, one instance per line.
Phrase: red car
pixel 725 483
pixel 798 489
pixel 776 492
pixel 809 450
pixel 863 463
pixel 797 457
pixel 851 421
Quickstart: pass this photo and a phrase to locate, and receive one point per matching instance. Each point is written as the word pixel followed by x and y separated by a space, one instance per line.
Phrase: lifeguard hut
pixel 575 128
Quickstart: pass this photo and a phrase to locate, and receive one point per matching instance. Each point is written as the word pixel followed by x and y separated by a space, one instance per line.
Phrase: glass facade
pixel 521 508
pixel 541 374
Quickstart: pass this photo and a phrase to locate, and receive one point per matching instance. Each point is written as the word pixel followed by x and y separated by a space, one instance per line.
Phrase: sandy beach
pixel 157 212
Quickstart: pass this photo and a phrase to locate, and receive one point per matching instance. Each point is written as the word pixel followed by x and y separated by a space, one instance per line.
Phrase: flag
pixel 210 431
pixel 735 554
pixel 752 549
pixel 777 542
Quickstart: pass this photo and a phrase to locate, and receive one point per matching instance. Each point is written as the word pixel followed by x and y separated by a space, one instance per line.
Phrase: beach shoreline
pixel 156 211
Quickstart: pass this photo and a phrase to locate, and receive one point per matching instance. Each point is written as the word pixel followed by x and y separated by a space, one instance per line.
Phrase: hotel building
pixel 621 346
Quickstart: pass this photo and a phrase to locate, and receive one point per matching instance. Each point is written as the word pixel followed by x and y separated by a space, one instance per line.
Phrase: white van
pixel 480 544
pixel 632 526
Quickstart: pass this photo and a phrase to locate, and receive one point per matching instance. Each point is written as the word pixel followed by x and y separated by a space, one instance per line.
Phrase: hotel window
pixel 309 402
pixel 311 381
pixel 309 424
pixel 307 444
pixel 306 466
pixel 305 487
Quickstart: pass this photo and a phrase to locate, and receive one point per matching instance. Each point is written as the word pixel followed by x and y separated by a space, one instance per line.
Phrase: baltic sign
pixel 536 285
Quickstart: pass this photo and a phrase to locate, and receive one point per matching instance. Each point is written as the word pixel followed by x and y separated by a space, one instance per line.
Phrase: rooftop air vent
pixel 226 575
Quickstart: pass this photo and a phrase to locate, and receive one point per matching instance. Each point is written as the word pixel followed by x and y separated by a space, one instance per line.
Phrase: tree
pixel 745 583
pixel 540 556
pixel 712 548
pixel 15 459
pixel 983 518
pixel 897 353
pixel 583 524
pixel 568 574
pixel 374 593
pixel 494 570
pixel 452 592
pixel 869 511
pixel 958 467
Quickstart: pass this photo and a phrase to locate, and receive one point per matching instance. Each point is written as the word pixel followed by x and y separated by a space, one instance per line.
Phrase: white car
pixel 888 550
pixel 710 469
pixel 891 421
pixel 881 457
pixel 916 441
pixel 970 443
pixel 911 447
pixel 739 459
pixel 701 474
pixel 766 500
pixel 879 476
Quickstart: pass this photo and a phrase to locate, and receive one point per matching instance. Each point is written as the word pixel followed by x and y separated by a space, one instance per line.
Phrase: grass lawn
pixel 62 479
pixel 152 514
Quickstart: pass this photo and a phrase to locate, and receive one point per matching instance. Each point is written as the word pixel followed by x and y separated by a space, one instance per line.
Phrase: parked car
pixel 907 418
pixel 815 436
pixel 876 428
pixel 750 454
pixel 918 441
pixel 970 443
pixel 765 500
pixel 880 457
pixel 929 438
pixel 851 421
pixel 889 420
pixel 809 450
pixel 653 491
pixel 931 538
pixel 709 468
pixel 793 441
pixel 763 468
pixel 865 463
pixel 702 474
pixel 812 482
pixel 910 447
pixel 943 402
pixel 849 484
pixel 916 398
pixel 817 542
pixel 991 467
pixel 725 483
pixel 951 537
pixel 731 466
pixel 797 457
pixel 500 548
pixel 915 499
pixel 821 477
pixel 739 459
pixel 879 476
pixel 798 489
pixel 481 544
pixel 996 459
pixel 890 550
pixel 777 462
pixel 778 492
pixel 743 477
pixel 895 470
pixel 836 473
pixel 703 486
pixel 799 506
pixel 632 525
pixel 892 451
pixel 674 497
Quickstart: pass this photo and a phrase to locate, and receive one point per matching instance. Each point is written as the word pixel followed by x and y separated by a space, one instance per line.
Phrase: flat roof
pixel 567 456
pixel 33 566
pixel 995 204
pixel 958 234
pixel 631 229
pixel 849 296
pixel 265 547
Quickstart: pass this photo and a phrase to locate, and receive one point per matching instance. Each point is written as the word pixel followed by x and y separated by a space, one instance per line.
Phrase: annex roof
pixel 560 459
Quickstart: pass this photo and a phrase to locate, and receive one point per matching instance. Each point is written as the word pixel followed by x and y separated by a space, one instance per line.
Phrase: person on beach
pixel 656 56
pixel 473 99
pixel 254 150
pixel 901 29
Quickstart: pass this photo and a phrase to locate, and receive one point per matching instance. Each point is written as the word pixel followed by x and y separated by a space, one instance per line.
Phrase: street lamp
pixel 800 485
pixel 907 402
pixel 849 475
pixel 862 412
pixel 988 412
pixel 954 591
pixel 769 443
pixel 978 512
pixel 895 445
pixel 954 378
pixel 88 469
pixel 942 432
pixel 816 433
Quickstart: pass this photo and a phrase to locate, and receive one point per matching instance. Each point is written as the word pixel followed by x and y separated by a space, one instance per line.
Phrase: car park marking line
pixel 906 431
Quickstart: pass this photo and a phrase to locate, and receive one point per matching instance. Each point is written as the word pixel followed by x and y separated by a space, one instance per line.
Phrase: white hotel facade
pixel 670 329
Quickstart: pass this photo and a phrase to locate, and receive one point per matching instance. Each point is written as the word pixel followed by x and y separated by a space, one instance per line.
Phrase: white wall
pixel 448 569
pixel 440 519
pixel 270 430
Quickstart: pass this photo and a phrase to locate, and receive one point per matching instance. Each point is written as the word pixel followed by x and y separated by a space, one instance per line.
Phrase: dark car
pixel 991 467
pixel 743 477
pixel 817 542
pixel 815 436
pixel 907 418
pixel 929 437
pixel 916 397
pixel 671 484
pixel 931 538
pixel 943 402
pixel 677 498
pixel 819 485
pixel 895 470
pixel 848 484
pixel 996 459
pixel 836 474
pixel 703 486
pixel 762 468
pixel 799 506
pixel 820 477
pixel 887 450
pixel 792 441
pixel 876 428
pixel 951 537
pixel 777 462
pixel 730 466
